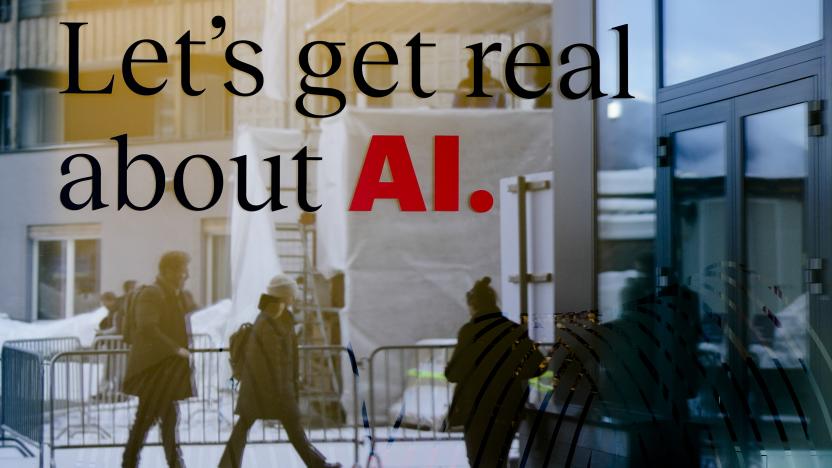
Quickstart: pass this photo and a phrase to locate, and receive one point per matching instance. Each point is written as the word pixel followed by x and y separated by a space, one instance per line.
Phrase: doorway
pixel 739 223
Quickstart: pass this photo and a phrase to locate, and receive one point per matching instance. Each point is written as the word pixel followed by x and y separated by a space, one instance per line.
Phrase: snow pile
pixel 82 326
pixel 210 320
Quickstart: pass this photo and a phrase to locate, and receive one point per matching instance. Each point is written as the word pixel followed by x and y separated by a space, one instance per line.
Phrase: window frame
pixel 67 234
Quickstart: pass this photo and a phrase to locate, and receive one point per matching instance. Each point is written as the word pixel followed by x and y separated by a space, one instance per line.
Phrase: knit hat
pixel 282 286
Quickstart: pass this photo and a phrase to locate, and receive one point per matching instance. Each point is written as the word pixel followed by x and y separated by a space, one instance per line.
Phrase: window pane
pixel 777 155
pixel 626 146
pixel 221 262
pixel 699 215
pixel 51 283
pixel 87 276
pixel 706 36
pixel 5 114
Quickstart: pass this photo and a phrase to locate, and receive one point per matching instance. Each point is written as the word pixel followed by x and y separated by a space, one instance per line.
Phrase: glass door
pixel 738 222
pixel 777 249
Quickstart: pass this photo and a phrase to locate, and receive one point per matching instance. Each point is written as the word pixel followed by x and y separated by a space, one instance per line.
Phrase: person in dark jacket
pixel 269 376
pixel 491 365
pixel 158 364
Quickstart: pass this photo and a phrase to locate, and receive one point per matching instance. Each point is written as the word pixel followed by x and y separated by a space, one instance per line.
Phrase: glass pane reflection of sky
pixel 776 143
pixel 706 36
pixel 700 152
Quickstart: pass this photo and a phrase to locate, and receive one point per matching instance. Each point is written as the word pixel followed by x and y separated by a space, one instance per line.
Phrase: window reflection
pixel 699 171
pixel 626 147
pixel 705 36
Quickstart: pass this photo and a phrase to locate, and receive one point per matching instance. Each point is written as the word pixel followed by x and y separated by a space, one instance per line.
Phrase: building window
pixel 5 114
pixel 707 36
pixel 66 270
pixel 37 8
pixel 297 257
pixel 5 10
pixel 40 110
pixel 217 260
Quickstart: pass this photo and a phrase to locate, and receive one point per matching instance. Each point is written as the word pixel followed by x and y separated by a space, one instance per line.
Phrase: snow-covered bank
pixel 210 320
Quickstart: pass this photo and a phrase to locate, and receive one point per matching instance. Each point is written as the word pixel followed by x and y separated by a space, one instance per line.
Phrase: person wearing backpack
pixel 158 363
pixel 268 373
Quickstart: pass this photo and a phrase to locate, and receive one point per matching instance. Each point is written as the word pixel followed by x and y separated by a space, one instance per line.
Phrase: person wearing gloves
pixel 268 378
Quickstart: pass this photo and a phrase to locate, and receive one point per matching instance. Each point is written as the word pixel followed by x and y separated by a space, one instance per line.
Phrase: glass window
pixel 626 157
pixel 5 10
pixel 62 265
pixel 706 36
pixel 219 251
pixel 41 112
pixel 51 279
pixel 776 171
pixel 36 8
pixel 699 199
pixel 87 275
pixel 5 114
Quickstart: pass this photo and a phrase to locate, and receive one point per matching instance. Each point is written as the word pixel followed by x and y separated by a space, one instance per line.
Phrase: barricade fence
pixel 409 394
pixel 75 397
pixel 23 398
pixel 80 417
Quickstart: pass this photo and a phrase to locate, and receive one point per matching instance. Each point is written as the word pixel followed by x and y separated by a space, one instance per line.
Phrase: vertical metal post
pixel 523 251
pixel 355 415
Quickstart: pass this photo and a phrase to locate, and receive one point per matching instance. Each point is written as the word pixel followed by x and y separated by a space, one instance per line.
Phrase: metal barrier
pixel 115 365
pixel 78 395
pixel 46 347
pixel 22 400
pixel 411 402
pixel 77 419
pixel 416 394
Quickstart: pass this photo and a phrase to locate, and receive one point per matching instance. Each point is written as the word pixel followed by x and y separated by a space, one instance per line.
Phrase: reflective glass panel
pixel 705 36
pixel 87 276
pixel 776 148
pixel 699 213
pixel 51 279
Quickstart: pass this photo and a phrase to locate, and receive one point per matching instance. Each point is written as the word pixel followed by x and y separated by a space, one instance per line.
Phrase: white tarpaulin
pixel 254 259
pixel 407 273
pixel 274 43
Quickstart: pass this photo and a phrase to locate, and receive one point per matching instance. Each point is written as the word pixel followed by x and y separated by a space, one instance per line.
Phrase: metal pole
pixel 521 245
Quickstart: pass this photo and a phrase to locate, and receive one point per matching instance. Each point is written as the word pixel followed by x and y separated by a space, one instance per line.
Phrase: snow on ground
pixel 395 455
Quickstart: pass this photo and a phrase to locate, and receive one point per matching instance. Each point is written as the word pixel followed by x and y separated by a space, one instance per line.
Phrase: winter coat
pixel 154 368
pixel 269 376
pixel 491 364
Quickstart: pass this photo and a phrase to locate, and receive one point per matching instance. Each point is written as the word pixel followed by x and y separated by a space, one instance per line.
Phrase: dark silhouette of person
pixel 158 364
pixel 111 324
pixel 491 365
pixel 491 86
pixel 269 378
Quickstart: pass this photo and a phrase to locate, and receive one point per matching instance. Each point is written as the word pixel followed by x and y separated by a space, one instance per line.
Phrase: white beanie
pixel 282 286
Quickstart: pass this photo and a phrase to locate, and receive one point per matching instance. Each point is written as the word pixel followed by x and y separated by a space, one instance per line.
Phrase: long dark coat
pixel 491 364
pixel 269 377
pixel 154 369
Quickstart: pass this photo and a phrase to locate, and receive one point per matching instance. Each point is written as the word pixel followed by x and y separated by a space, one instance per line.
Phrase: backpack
pixel 237 348
pixel 128 327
